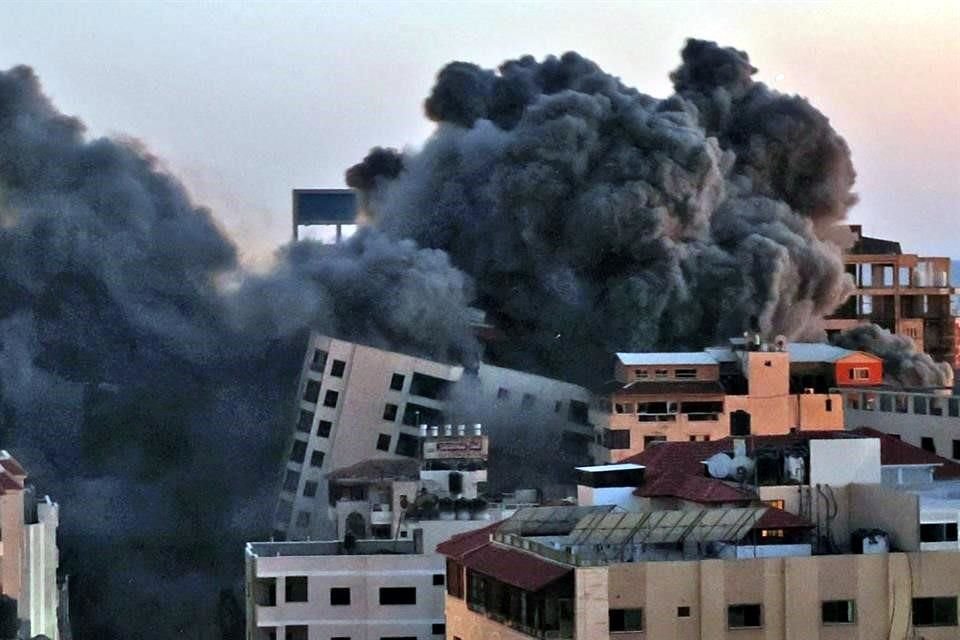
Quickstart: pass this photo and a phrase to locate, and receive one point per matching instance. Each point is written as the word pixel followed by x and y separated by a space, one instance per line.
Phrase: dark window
pixel 291 481
pixel 390 412
pixel 323 428
pixel 649 440
pixel 303 519
pixel 935 612
pixel 319 361
pixel 299 451
pixel 407 445
pixel 956 449
pixel 438 579
pixel 296 588
pixel 685 373
pixel 626 619
pixel 616 438
pixel 316 459
pixel 398 595
pixel 953 407
pixel 416 414
pixel 383 442
pixel 339 596
pixel 454 579
pixel 312 392
pixel 744 615
pixel 683 612
pixel 340 638
pixel 398 637
pixel 701 407
pixel 396 382
pixel 296 632
pixel 305 421
pixel 265 592
pixel 920 405
pixel 337 368
pixel 829 404
pixel 330 399
pixel 927 444
pixel 838 611
pixel 527 401
pixel 739 423
pixel 428 386
pixel 578 412
pixel 438 628
pixel 310 489
pixel 938 532
pixel 503 393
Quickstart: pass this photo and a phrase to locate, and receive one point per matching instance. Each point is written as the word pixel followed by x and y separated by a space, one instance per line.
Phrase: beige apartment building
pixel 741 390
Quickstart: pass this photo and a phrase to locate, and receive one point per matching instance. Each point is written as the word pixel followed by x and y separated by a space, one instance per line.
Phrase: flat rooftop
pixel 332 548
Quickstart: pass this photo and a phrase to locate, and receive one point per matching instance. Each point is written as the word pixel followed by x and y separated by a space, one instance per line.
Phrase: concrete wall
pixel 43 560
pixel 874 506
pixel 842 461
pixel 13 547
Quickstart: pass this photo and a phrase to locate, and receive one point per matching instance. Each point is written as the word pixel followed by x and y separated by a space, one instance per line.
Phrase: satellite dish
pixel 780 342
pixel 719 465
pixel 741 467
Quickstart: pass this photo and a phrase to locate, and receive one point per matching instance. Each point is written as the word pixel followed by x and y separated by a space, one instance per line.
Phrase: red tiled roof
pixel 463 543
pixel 695 488
pixel 515 567
pixel 894 451
pixel 774 518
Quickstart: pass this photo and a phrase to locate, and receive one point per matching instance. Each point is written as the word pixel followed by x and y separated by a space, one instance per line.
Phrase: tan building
pixel 903 293
pixel 739 390
pixel 29 557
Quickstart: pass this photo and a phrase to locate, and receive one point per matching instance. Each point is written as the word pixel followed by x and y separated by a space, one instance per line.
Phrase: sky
pixel 245 101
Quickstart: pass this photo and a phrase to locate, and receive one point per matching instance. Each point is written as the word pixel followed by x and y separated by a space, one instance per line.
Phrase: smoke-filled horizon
pixel 147 380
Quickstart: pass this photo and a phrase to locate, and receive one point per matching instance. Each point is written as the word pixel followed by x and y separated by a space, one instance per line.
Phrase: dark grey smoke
pixel 595 218
pixel 146 380
pixel 903 365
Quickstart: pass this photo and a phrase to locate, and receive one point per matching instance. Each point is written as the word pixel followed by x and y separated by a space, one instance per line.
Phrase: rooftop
pixel 378 470
pixel 332 548
pixel 666 358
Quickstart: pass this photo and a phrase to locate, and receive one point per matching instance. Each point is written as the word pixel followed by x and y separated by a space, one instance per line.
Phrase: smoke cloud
pixel 146 381
pixel 595 218
pixel 903 365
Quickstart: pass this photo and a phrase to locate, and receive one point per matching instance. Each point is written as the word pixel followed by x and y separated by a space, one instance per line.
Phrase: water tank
pixel 869 541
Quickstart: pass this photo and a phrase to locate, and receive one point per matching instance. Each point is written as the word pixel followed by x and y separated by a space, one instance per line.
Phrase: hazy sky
pixel 245 101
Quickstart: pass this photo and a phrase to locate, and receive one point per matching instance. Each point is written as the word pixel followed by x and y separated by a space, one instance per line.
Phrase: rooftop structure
pixel 326 215
pixel 903 293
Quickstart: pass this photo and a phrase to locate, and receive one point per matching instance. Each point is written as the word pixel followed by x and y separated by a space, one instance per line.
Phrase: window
pixel 330 399
pixel 396 382
pixel 407 445
pixel 398 595
pixel 661 373
pixel 956 450
pixel 578 412
pixel 310 489
pixel 649 440
pixel 323 428
pixel 339 596
pixel 295 588
pixel 927 444
pixel 319 362
pixel 303 519
pixel 438 628
pixel 776 504
pixel 296 632
pixel 299 451
pixel 312 391
pixel 828 404
pixel 935 612
pixel 416 414
pixel 685 374
pixel 626 620
pixel 503 394
pixel 743 616
pixel 383 442
pixel 316 459
pixel 625 407
pixel 920 405
pixel 398 637
pixel 953 407
pixel 886 403
pixel 616 438
pixel 641 374
pixel 438 579
pixel 428 386
pixel 683 612
pixel 265 592
pixel 838 611
pixel 284 511
pixel 305 421
pixel 390 412
pixel 454 579
pixel 340 638
pixel 337 368
pixel 528 401
pixel 291 481
pixel 938 532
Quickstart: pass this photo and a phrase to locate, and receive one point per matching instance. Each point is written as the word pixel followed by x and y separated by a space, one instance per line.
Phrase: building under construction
pixel 903 293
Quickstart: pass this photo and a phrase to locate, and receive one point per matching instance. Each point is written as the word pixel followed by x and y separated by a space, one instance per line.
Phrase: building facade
pixel 903 293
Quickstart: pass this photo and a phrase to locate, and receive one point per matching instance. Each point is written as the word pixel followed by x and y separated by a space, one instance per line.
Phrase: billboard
pixel 463 447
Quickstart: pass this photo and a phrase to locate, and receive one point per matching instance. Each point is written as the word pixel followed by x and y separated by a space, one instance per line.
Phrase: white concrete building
pixel 357 403
pixel 29 556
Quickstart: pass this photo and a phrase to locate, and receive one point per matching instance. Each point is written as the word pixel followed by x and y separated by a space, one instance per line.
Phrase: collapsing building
pixel 357 403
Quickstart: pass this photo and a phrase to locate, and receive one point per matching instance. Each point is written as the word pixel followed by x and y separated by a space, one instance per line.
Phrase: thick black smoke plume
pixel 903 365
pixel 146 381
pixel 594 218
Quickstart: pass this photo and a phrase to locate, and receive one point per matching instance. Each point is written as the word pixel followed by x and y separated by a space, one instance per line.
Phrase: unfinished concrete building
pixel 903 293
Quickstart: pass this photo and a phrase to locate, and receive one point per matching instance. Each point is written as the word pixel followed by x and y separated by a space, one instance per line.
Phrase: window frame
pixel 743 605
pixel 851 609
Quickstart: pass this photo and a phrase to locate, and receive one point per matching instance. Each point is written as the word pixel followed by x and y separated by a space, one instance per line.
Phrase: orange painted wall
pixel 845 367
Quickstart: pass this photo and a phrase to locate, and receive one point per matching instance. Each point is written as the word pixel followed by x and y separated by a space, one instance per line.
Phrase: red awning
pixel 514 567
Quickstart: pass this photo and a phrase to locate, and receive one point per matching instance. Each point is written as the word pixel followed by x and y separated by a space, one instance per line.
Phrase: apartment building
pixel 816 546
pixel 903 293
pixel 742 389
pixel 357 403
pixel 29 556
